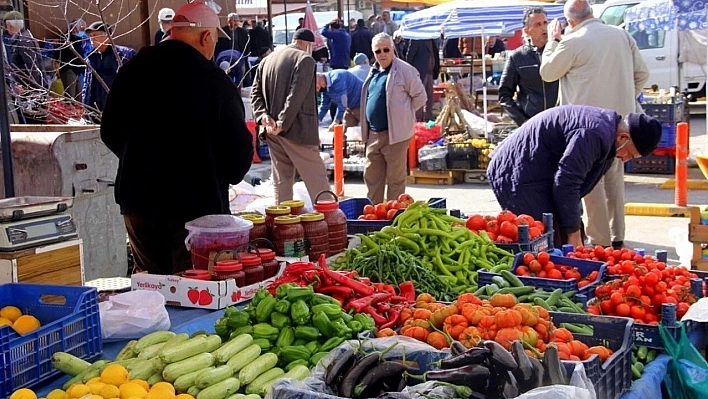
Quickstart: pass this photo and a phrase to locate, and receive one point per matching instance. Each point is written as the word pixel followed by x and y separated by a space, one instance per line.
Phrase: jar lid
pixel 228 266
pixel 218 224
pixel 266 253
pixel 293 203
pixel 255 219
pixel 290 219
pixel 249 259
pixel 278 210
pixel 197 274
pixel 312 217
pixel 326 205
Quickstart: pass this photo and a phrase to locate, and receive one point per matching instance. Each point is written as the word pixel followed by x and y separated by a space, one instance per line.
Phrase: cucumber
pixel 256 387
pixel 154 379
pixel 185 349
pixel 231 348
pixel 639 367
pixel 127 351
pixel 651 356
pixel 213 343
pixel 143 371
pixel 243 358
pixel 175 370
pixel 511 278
pixel 69 364
pixel 153 338
pixel 636 374
pixel 177 339
pixel 257 367
pixel 555 296
pixel 151 351
pixel 642 352
pixel 220 390
pixel 194 391
pixel 499 280
pixel 183 383
pixel 210 377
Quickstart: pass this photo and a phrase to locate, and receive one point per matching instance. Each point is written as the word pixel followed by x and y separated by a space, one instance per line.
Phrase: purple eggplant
pixel 500 356
pixel 457 348
pixel 553 367
pixel 474 376
pixel 470 356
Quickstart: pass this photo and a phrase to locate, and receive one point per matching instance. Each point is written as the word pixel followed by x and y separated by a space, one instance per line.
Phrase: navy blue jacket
pixel 553 160
pixel 361 42
pixel 106 65
pixel 340 43
pixel 344 90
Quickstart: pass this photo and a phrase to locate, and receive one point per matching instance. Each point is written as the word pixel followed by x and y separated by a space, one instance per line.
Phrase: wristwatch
pixel 557 40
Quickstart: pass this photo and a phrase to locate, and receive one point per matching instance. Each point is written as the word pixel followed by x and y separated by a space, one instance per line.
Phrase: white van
pixel 282 36
pixel 660 50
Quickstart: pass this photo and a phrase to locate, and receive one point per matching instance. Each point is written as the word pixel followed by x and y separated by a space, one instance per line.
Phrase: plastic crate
pixel 613 377
pixel 433 164
pixel 263 151
pixel 652 164
pixel 668 136
pixel 666 113
pixel 354 207
pixel 542 243
pixel 70 323
pixel 465 164
pixel 585 267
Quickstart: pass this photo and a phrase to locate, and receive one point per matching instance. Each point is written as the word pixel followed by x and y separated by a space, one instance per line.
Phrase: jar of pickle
pixel 252 267
pixel 230 269
pixel 259 229
pixel 270 264
pixel 297 207
pixel 197 274
pixel 336 222
pixel 288 236
pixel 271 213
pixel 316 234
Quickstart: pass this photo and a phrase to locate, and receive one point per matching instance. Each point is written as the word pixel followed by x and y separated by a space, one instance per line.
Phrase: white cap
pixel 166 14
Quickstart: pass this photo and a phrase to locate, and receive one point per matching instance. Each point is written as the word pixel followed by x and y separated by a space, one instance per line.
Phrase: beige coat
pixel 597 65
pixel 405 94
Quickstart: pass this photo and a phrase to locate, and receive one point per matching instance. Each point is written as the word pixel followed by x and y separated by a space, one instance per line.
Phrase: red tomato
pixel 535 266
pixel 637 312
pixel 493 227
pixel 397 205
pixel 476 223
pixel 681 310
pixel 534 233
pixel 505 216
pixel 622 310
pixel 368 209
pixel 651 279
pixel 391 214
pixel 616 299
pixel 554 274
pixel 521 271
pixel 539 226
pixel 509 229
pixel 389 204
pixel 492 235
pixel 606 307
pixel 524 219
pixel 634 291
pixel 528 257
pixel 405 198
pixel 543 258
pixel 381 211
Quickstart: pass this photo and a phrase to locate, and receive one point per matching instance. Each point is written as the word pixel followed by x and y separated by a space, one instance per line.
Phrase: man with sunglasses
pixel 390 97
pixel 559 155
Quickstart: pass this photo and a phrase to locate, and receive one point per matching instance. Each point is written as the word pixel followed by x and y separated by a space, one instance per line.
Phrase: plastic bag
pixel 557 392
pixel 431 152
pixel 687 374
pixel 684 248
pixel 132 315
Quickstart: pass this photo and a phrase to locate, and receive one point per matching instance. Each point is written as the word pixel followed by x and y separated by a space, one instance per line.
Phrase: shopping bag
pixel 687 374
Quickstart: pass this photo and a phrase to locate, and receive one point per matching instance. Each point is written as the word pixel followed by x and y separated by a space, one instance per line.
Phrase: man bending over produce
pixel 558 156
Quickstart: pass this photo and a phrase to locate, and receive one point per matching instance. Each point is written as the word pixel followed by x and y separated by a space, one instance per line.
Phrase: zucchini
pixel 153 338
pixel 130 364
pixel 92 371
pixel 154 379
pixel 151 351
pixel 244 358
pixel 69 364
pixel 212 376
pixel 127 351
pixel 213 343
pixel 142 371
pixel 259 366
pixel 175 370
pixel 242 396
pixel 220 390
pixel 183 383
pixel 177 339
pixel 185 349
pixel 299 372
pixel 233 347
pixel 194 391
pixel 258 385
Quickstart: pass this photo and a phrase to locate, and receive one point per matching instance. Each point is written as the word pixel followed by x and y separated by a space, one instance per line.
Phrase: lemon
pixel 132 389
pixel 184 396
pixel 93 380
pixel 96 387
pixel 95 397
pixel 78 390
pixel 5 322
pixel 11 313
pixel 26 324
pixel 22 393
pixel 159 393
pixel 57 394
pixel 115 374
pixel 109 391
pixel 164 385
pixel 142 383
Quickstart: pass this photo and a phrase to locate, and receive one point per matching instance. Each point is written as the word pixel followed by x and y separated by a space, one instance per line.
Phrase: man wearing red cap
pixel 178 159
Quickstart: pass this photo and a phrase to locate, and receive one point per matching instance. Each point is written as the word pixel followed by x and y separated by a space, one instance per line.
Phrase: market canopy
pixel 465 18
pixel 667 14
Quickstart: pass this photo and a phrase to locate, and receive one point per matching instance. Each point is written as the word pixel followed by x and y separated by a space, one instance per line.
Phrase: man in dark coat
pixel 558 156
pixel 424 56
pixel 361 40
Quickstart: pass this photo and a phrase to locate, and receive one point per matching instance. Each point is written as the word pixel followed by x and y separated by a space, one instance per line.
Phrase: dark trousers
pixel 560 236
pixel 158 243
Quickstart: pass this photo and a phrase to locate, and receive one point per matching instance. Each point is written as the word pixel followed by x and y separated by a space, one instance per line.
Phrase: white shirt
pixel 360 71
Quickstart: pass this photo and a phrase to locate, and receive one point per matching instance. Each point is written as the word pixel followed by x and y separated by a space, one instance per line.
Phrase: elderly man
pixel 558 156
pixel 597 65
pixel 24 54
pixel 521 77
pixel 385 25
pixel 284 104
pixel 361 66
pixel 237 37
pixel 343 89
pixel 164 18
pixel 391 95
pixel 214 149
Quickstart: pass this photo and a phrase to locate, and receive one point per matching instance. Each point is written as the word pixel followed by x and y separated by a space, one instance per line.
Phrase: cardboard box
pixel 190 293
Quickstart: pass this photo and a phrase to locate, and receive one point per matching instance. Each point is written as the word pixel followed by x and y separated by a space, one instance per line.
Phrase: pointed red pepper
pixel 407 291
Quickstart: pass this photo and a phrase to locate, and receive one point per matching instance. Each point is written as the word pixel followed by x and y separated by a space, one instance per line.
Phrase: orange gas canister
pixel 336 222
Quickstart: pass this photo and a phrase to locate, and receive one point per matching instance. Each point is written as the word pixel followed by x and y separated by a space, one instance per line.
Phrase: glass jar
pixel 316 234
pixel 230 269
pixel 272 212
pixel 270 264
pixel 259 230
pixel 297 207
pixel 197 274
pixel 336 222
pixel 252 268
pixel 289 237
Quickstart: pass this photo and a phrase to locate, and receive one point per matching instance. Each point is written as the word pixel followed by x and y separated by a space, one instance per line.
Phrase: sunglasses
pixel 385 50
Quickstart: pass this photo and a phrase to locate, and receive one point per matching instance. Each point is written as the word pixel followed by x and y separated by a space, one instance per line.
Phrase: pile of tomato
pixel 613 257
pixel 541 266
pixel 387 210
pixel 504 227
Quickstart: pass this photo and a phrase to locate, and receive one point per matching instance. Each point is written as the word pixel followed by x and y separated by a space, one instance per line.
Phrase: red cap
pixel 197 15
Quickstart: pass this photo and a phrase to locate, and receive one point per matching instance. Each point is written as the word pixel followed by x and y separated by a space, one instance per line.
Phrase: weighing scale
pixel 32 221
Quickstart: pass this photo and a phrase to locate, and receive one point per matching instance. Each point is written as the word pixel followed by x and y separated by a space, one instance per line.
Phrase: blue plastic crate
pixel 652 164
pixel 668 135
pixel 263 151
pixel 666 113
pixel 613 377
pixel 585 267
pixel 70 323
pixel 354 207
pixel 542 243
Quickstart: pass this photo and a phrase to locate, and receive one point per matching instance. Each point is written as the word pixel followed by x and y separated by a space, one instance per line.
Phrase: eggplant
pixel 401 385
pixel 470 356
pixel 553 366
pixel 511 388
pixel 477 395
pixel 339 366
pixel 356 373
pixel 524 373
pixel 538 373
pixel 378 375
pixel 500 356
pixel 391 384
pixel 456 348
pixel 474 376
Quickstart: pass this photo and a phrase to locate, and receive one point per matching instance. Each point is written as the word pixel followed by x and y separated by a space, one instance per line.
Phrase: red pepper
pixel 379 287
pixel 389 288
pixel 345 292
pixel 383 307
pixel 311 275
pixel 358 287
pixel 299 267
pixel 407 291
pixel 399 299
pixel 359 304
pixel 378 319
pixel 392 319
pixel 340 298
pixel 365 280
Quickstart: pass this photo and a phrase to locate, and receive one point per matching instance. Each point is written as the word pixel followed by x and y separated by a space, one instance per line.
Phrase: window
pixel 649 39
pixel 615 15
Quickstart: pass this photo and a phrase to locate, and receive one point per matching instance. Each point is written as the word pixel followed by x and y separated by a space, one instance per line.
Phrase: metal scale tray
pixel 21 208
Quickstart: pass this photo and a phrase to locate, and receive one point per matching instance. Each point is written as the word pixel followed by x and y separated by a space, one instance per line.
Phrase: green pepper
pixel 285 338
pixel 307 333
pixel 241 330
pixel 265 331
pixel 347 317
pixel 299 342
pixel 298 362
pixel 282 306
pixel 323 324
pixel 332 311
pixel 331 344
pixel 265 308
pixel 303 293
pixel 319 299
pixel 282 290
pixel 367 322
pixel 317 357
pixel 340 329
pixel 262 293
pixel 237 319
pixel 300 312
pixel 292 353
pixel 263 343
pixel 221 328
pixel 279 320
pixel 313 346
pixel 355 326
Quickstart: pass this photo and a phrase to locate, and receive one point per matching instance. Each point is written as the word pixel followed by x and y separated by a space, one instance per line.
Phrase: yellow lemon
pixel 132 389
pixel 142 383
pixel 96 387
pixel 115 374
pixel 57 394
pixel 159 393
pixel 184 396
pixel 93 380
pixel 78 390
pixel 11 313
pixel 26 324
pixel 109 391
pixel 164 385
pixel 5 322
pixel 95 397
pixel 22 393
